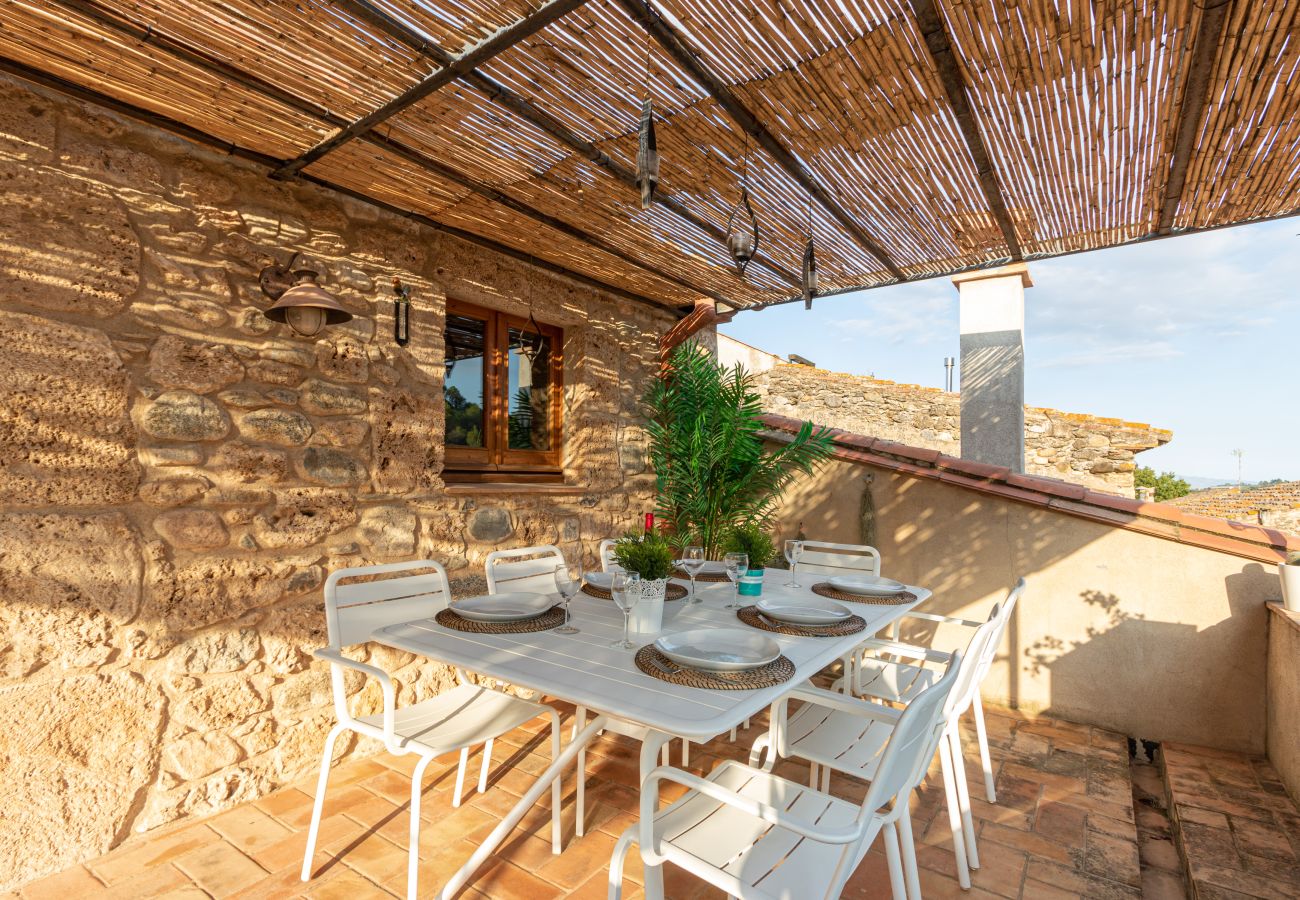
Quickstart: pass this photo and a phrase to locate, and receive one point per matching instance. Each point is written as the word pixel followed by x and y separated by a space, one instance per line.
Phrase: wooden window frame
pixel 495 461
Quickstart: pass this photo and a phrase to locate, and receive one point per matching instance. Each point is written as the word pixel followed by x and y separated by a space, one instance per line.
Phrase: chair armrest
pixel 910 651
pixel 763 811
pixel 337 659
pixel 836 700
pixel 932 617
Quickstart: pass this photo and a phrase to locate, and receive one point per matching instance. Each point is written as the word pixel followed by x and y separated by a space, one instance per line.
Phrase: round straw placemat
pixel 672 592
pixel 547 620
pixel 703 576
pixel 754 619
pixel 824 589
pixel 656 665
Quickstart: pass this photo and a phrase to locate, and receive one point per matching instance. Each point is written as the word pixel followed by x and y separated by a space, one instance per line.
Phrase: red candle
pixel 649 522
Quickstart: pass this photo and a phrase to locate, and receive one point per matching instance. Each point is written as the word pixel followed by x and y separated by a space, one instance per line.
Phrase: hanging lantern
pixel 808 278
pixel 300 302
pixel 647 156
pixel 401 313
pixel 742 232
pixel 529 348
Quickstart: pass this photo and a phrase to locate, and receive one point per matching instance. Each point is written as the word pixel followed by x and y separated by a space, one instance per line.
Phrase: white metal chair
pixel 754 834
pixel 832 737
pixel 464 717
pixel 822 558
pixel 606 553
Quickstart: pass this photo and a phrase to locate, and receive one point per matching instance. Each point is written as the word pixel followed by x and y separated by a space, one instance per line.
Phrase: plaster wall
pixel 1284 696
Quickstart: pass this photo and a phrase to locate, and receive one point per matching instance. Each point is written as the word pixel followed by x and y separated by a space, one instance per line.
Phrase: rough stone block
pixel 192 529
pixel 276 426
pixel 185 416
pixel 203 368
pixel 325 465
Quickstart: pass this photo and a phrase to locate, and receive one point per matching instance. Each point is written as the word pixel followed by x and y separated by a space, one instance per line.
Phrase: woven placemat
pixel 824 589
pixel 672 592
pixel 720 577
pixel 547 620
pixel 754 619
pixel 656 665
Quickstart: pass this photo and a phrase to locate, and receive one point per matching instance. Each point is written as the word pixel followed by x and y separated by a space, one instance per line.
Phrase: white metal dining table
pixel 585 670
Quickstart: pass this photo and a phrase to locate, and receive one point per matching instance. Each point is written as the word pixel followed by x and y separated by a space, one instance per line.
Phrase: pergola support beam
pixel 674 45
pixel 456 67
pixel 1214 14
pixel 936 41
pixel 195 135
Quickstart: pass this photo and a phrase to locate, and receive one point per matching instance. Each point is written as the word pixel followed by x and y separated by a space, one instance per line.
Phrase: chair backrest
pixel 354 610
pixel 972 670
pixel 1004 619
pixel 822 558
pixel 913 742
pixel 530 569
pixel 607 563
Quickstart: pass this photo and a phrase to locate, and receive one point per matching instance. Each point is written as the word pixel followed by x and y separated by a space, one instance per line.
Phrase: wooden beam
pixel 704 315
pixel 456 67
pixel 1214 14
pixel 936 40
pixel 204 61
pixel 190 133
pixel 675 46
pixel 543 121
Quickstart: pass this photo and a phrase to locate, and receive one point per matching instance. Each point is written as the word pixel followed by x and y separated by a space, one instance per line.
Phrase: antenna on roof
pixel 1239 453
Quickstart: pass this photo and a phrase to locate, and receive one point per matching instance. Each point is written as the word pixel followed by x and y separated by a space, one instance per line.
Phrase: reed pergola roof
pixel 918 137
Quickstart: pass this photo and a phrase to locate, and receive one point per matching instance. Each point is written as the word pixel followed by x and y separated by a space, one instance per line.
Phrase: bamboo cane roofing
pixel 1077 108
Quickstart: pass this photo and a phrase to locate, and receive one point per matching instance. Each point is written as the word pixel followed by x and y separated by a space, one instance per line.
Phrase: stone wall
pixel 1271 505
pixel 178 474
pixel 1088 450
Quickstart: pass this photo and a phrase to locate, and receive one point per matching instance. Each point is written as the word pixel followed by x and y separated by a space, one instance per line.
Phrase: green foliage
pixel 650 555
pixel 464 425
pixel 1168 486
pixel 712 470
pixel 752 540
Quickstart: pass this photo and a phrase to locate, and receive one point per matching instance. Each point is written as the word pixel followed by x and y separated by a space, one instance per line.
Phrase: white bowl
pixel 868 585
pixel 804 611
pixel 601 580
pixel 719 649
pixel 502 607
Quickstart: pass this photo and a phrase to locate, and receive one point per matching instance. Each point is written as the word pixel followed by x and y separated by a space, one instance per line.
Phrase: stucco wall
pixel 178 474
pixel 1141 635
pixel 1284 696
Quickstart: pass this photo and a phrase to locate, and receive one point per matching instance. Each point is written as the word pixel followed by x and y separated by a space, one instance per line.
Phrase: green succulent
pixel 753 540
pixel 649 555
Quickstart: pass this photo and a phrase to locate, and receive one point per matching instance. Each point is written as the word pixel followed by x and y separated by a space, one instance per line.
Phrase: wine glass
pixel 625 589
pixel 693 561
pixel 793 550
pixel 737 564
pixel 567 581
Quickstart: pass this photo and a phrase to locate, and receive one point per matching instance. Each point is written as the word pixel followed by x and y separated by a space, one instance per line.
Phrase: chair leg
pixel 954 814
pixel 982 733
pixel 896 884
pixel 557 790
pixel 326 759
pixel 460 777
pixel 580 798
pixel 664 758
pixel 413 860
pixel 732 736
pixel 814 773
pixel 826 780
pixel 912 876
pixel 616 861
pixel 963 794
pixel 686 753
pixel 483 769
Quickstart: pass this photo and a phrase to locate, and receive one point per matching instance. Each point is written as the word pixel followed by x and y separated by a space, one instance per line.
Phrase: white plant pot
pixel 648 614
pixel 1290 576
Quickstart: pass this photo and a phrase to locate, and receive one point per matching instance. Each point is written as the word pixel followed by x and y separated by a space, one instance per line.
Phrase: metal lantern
pixel 300 302
pixel 647 156
pixel 808 278
pixel 742 233
pixel 401 313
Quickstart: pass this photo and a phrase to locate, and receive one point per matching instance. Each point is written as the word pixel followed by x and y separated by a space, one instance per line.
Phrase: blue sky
pixel 1199 334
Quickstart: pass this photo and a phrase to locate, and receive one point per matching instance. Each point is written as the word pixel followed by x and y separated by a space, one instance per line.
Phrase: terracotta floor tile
pixel 1081 884
pixel 580 858
pixel 597 888
pixel 73 882
pixel 220 869
pixel 156 881
pixel 500 880
pixel 347 886
pixel 248 828
pixel 147 851
pixel 1111 857
pixel 290 802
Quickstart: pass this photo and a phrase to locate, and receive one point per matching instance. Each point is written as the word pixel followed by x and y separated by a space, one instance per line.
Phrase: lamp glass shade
pixel 305 320
pixel 307 308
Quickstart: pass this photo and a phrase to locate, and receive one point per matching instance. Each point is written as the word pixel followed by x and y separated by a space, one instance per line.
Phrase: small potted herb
pixel 1289 570
pixel 753 540
pixel 650 556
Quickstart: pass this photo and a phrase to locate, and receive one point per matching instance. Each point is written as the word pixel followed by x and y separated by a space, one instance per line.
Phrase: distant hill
pixel 1199 483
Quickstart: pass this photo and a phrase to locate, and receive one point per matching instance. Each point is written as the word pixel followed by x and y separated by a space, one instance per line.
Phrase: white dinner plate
pixel 719 649
pixel 710 567
pixel 804 611
pixel 868 585
pixel 602 580
pixel 502 607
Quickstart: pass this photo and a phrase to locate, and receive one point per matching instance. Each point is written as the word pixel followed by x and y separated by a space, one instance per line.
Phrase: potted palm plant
pixel 713 469
pixel 753 540
pixel 649 556
pixel 1289 570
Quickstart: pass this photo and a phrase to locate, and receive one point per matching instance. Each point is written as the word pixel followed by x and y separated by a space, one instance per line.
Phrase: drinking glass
pixel 624 586
pixel 568 579
pixel 693 561
pixel 793 550
pixel 737 565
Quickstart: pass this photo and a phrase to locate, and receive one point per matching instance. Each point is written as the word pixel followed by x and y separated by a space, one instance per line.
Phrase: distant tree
pixel 1167 485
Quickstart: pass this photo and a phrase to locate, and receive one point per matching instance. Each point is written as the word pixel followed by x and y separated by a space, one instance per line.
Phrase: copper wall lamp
pixel 300 302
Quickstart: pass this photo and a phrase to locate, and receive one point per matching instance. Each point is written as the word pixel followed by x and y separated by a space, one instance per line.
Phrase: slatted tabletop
pixel 583 669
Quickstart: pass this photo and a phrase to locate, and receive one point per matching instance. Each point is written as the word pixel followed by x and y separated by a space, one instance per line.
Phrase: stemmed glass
pixel 568 579
pixel 693 561
pixel 793 550
pixel 737 564
pixel 625 589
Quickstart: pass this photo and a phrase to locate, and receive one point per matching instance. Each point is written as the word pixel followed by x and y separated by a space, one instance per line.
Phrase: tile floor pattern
pixel 1063 826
